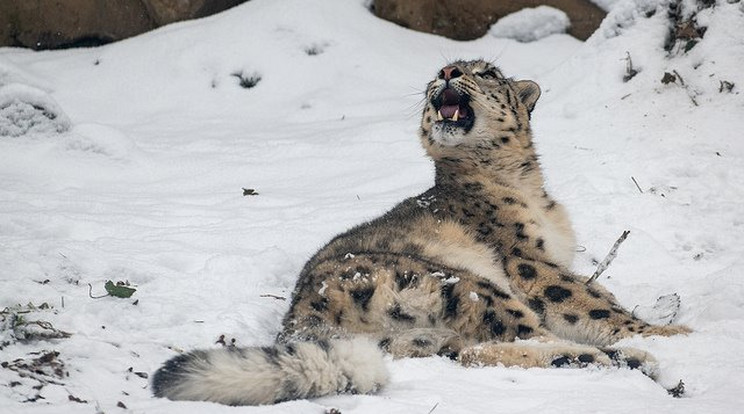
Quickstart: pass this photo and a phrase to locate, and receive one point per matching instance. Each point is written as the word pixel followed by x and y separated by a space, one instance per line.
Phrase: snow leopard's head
pixel 472 104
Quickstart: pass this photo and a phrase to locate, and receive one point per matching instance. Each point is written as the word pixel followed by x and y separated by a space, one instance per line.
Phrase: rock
pixel 71 23
pixel 471 19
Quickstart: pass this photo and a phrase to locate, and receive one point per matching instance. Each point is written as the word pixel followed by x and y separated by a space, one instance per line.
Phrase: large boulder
pixel 471 19
pixel 59 24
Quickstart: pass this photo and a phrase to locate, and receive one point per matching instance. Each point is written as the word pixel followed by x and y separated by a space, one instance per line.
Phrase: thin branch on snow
pixel 686 87
pixel 90 293
pixel 609 258
pixel 269 295
pixel 636 183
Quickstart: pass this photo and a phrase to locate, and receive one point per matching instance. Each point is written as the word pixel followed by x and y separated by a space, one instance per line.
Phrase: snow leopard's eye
pixel 488 75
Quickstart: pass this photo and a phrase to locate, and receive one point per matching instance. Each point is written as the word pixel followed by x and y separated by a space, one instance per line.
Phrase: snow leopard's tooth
pixel 456 116
pixel 439 116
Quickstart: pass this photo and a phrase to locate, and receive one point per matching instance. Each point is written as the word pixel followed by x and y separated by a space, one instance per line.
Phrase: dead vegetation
pixel 23 323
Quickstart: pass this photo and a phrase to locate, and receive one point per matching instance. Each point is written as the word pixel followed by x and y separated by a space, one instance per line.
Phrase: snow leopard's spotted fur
pixel 476 268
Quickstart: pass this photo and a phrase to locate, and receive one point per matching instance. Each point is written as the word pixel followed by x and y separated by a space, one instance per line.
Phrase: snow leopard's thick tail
pixel 267 375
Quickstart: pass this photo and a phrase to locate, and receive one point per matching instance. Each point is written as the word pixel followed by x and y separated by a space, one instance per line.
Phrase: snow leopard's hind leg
pixel 556 354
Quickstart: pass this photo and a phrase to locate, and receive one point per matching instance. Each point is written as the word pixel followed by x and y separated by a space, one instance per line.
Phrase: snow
pixel 27 110
pixel 530 24
pixel 139 178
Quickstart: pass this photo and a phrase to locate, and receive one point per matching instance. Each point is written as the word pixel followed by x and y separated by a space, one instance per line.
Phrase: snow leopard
pixel 476 269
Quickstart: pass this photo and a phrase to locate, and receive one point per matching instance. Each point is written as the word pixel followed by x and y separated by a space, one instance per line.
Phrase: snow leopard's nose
pixel 449 72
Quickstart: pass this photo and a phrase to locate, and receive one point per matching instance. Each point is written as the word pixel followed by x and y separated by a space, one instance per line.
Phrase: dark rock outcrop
pixel 470 19
pixel 71 23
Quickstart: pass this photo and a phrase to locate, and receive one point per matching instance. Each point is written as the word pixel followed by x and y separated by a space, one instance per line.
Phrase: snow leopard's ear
pixel 528 92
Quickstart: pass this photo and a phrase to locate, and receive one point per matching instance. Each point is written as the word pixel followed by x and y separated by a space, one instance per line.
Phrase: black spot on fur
pixel 451 301
pixel 396 313
pixel 611 353
pixel 599 314
pixel 509 200
pixel 405 280
pixel 562 361
pixel 448 352
pixel 537 305
pixel 491 288
pixel 570 318
pixel 487 298
pixel 516 252
pixel 505 140
pixel 497 328
pixel 320 305
pixel 473 187
pixel 489 316
pixel 556 293
pixel 540 244
pixel 493 221
pixel 339 317
pixel 362 296
pixel 290 349
pixel 515 313
pixel 586 358
pixel 593 293
pixel 524 330
pixel 568 279
pixel 323 344
pixel 526 271
pixel 490 319
pixel 421 342
pixel 384 344
pixel 271 354
pixel 527 167
pixel 633 363
pixel 484 229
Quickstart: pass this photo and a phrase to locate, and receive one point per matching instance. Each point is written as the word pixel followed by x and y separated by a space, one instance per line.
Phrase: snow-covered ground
pixel 136 171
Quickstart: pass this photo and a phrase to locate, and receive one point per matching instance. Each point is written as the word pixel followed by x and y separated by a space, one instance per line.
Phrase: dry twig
pixel 269 295
pixel 636 183
pixel 609 258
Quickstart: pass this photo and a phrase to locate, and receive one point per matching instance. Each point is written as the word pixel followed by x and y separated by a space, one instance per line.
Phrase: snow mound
pixel 530 24
pixel 101 140
pixel 623 15
pixel 25 110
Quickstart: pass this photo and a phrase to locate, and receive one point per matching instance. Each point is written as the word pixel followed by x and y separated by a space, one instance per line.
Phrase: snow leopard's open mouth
pixel 453 109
